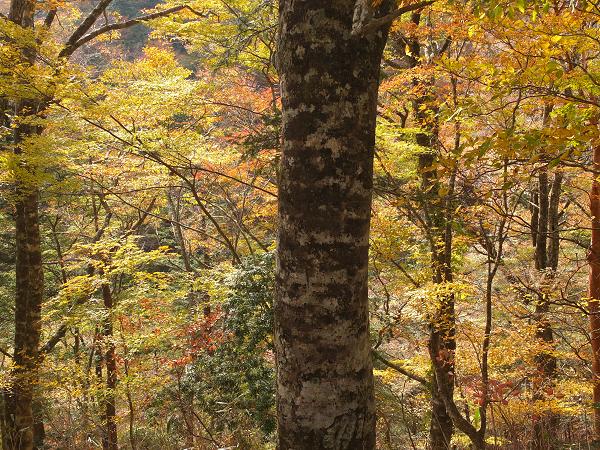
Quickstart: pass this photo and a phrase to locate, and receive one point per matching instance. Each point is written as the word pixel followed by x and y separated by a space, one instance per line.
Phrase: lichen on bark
pixel 329 83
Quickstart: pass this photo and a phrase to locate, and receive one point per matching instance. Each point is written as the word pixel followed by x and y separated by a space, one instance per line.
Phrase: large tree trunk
pixel 329 83
pixel 19 417
pixel 594 292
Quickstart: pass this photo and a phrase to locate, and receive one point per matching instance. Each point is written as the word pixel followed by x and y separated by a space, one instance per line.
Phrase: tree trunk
pixel 19 418
pixel 436 216
pixel 29 281
pixel 442 341
pixel 594 292
pixel 329 83
pixel 109 440
pixel 546 261
pixel 546 242
pixel 173 200
pixel 441 427
pixel 442 346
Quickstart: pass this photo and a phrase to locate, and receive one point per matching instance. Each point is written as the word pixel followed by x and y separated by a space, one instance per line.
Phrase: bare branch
pixel 55 339
pixel 50 18
pixel 379 22
pixel 71 46
pixel 84 27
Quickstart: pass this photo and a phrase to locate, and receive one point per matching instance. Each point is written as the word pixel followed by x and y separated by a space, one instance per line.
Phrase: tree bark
pixel 547 240
pixel 442 340
pixel 109 440
pixel 329 84
pixel 29 289
pixel 436 214
pixel 546 252
pixel 19 417
pixel 546 261
pixel 594 292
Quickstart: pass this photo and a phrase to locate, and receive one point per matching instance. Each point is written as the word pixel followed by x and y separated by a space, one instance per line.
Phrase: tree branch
pixel 55 339
pixel 50 18
pixel 5 353
pixel 379 22
pixel 62 330
pixel 71 46
pixel 400 369
pixel 84 27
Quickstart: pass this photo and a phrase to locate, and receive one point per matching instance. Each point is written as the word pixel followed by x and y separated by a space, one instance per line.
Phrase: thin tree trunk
pixel 436 215
pixel 173 200
pixel 98 362
pixel 441 427
pixel 546 261
pixel 594 292
pixel 541 257
pixel 442 341
pixel 546 251
pixel 132 439
pixel 329 83
pixel 109 441
pixel 553 221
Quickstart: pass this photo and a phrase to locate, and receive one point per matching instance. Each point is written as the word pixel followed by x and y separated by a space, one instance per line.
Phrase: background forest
pixel 152 146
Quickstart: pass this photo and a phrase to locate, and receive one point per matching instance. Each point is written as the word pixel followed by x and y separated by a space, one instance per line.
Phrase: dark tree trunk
pixel 329 83
pixel 19 417
pixel 546 238
pixel 546 261
pixel 29 281
pixel 441 427
pixel 594 292
pixel 442 341
pixel 553 221
pixel 109 440
pixel 442 338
